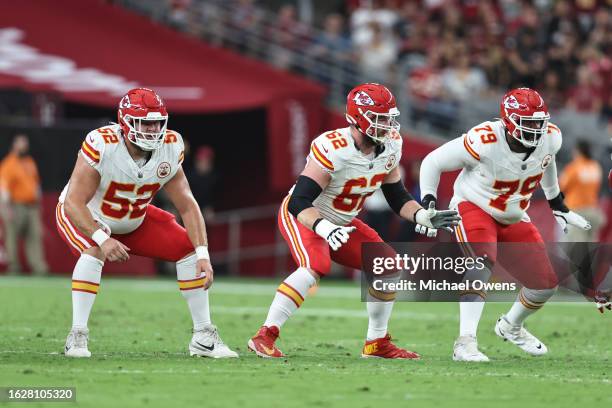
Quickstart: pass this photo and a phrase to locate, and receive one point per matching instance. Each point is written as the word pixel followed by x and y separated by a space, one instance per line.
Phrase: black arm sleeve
pixel 396 195
pixel 306 190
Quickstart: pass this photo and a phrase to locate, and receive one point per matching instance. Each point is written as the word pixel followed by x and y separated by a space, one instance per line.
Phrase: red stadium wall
pixel 68 47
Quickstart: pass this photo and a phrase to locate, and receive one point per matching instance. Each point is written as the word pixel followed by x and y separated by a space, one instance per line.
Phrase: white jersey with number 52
pixel 354 176
pixel 126 189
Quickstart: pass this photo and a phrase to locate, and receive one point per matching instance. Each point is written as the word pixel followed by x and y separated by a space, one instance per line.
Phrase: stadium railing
pixel 235 251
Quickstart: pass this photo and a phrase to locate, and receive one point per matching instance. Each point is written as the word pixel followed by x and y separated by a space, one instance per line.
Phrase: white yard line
pixel 220 287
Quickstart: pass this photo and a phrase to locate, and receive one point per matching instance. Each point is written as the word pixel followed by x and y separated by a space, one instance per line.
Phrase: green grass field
pixel 140 330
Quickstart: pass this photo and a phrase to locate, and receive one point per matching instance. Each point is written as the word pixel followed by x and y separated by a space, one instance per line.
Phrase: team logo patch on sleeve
pixel 163 170
pixel 547 160
pixel 363 99
pixel 391 162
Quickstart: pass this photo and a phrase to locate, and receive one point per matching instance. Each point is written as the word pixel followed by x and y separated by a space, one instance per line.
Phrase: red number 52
pixel 115 206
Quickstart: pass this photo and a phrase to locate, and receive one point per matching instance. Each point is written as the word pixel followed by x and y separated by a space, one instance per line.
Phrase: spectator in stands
pixel 332 45
pixel 377 56
pixel 580 181
pixel 179 13
pixel 586 95
pixel 20 196
pixel 426 90
pixel 498 70
pixel 551 91
pixel 202 179
pixel 462 81
pixel 244 22
pixel 290 36
pixel 370 17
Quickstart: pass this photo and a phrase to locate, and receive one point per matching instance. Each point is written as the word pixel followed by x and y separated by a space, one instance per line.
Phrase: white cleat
pixel 76 343
pixel 466 349
pixel 520 336
pixel 207 343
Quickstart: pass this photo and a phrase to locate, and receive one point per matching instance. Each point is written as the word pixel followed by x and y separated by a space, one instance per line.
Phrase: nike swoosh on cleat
pixel 209 348
pixel 267 350
pixel 539 346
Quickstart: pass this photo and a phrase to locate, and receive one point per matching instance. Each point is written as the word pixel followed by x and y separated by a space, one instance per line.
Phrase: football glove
pixel 423 230
pixel 335 235
pixel 432 218
pixel 564 216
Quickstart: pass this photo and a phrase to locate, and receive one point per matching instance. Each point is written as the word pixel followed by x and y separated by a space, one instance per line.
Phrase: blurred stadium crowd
pixel 444 52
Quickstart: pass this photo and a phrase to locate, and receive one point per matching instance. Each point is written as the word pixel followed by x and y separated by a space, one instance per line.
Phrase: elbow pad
pixel 396 195
pixel 306 190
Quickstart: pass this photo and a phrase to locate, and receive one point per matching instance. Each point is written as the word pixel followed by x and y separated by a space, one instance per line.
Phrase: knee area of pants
pixel 323 268
pixel 539 295
pixel 187 259
pixel 93 256
pixel 315 275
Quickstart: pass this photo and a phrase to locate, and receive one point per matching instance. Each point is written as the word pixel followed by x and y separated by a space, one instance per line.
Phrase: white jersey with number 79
pixel 496 179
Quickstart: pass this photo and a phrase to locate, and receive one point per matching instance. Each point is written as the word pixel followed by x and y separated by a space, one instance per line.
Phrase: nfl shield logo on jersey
pixel 163 170
pixel 363 99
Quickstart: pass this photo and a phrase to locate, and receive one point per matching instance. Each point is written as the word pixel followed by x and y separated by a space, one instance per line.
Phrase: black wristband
pixel 557 204
pixel 427 199
pixel 314 224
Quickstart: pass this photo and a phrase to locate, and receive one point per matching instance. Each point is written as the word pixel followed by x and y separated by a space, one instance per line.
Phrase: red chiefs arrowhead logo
pixel 125 102
pixel 511 103
pixel 363 99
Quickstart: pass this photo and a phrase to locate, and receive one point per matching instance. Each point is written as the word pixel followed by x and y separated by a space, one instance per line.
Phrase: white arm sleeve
pixel 448 157
pixel 550 182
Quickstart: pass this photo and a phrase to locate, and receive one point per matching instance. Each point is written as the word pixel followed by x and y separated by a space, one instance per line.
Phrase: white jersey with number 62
pixel 354 176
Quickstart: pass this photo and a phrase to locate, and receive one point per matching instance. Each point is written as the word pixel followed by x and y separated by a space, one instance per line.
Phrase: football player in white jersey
pixel 344 167
pixel 104 214
pixel 503 162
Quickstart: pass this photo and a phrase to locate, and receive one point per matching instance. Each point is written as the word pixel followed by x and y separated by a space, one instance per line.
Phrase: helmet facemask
pixel 143 131
pixel 528 130
pixel 381 125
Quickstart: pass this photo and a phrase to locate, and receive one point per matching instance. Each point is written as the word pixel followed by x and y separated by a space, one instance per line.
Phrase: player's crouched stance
pixel 502 163
pixel 104 214
pixel 344 167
